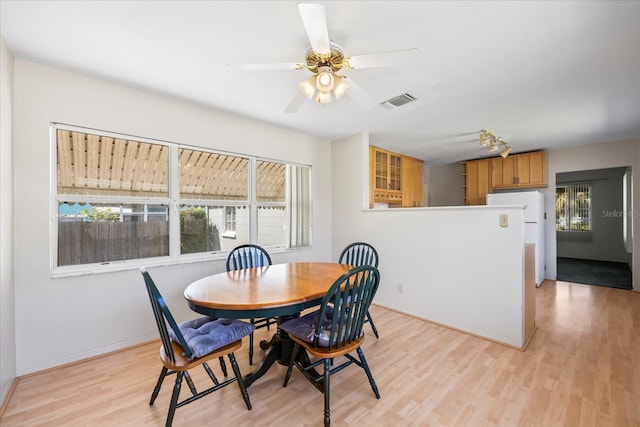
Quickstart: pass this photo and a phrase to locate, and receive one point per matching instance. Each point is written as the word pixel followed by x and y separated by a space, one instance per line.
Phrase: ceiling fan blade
pixel 315 23
pixel 384 59
pixel 266 67
pixel 359 95
pixel 295 103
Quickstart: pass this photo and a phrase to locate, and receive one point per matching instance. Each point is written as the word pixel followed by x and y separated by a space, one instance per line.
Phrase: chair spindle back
pixel 359 253
pixel 349 298
pixel 247 256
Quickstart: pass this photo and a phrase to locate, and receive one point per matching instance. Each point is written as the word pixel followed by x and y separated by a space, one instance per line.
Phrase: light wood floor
pixel 582 368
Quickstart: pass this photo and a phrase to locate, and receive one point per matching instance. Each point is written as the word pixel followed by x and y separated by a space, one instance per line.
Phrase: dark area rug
pixel 599 273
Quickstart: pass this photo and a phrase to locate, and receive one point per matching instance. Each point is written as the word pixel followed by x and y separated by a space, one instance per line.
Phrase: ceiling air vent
pixel 398 101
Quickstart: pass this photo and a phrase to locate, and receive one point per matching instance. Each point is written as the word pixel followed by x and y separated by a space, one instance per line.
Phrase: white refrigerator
pixel 533 221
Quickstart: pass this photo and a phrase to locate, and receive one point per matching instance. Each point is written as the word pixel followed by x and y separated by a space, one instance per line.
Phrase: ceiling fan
pixel 325 59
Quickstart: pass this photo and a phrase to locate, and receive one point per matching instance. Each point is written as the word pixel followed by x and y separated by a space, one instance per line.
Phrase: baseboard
pixel 526 344
pixel 8 396
pixel 453 328
pixel 84 356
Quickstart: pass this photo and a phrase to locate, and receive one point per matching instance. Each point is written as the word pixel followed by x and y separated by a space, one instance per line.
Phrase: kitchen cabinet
pixel 385 176
pixel 395 179
pixel 412 173
pixel 477 178
pixel 525 170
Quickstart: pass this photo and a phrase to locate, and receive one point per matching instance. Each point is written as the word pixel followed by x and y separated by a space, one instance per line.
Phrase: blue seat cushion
pixel 206 334
pixel 304 327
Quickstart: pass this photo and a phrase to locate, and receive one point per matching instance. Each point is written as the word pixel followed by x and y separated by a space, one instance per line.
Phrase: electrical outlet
pixel 504 220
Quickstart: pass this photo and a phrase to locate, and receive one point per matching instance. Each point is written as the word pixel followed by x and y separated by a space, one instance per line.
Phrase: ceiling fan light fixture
pixel 308 86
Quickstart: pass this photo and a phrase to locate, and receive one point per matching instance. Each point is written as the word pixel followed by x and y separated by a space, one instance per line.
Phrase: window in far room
pixel 573 208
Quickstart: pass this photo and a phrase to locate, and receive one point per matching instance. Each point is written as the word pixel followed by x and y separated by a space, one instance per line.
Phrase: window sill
pixel 118 266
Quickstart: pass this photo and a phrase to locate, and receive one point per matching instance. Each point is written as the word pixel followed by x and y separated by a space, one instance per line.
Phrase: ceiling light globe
pixel 308 86
pixel 325 79
pixel 323 97
pixel 340 87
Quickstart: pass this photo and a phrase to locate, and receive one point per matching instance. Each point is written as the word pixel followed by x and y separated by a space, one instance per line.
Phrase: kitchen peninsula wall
pixel 455 266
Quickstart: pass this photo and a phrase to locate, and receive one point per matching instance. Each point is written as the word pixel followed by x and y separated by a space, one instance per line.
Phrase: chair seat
pixel 302 329
pixel 183 364
pixel 325 352
pixel 205 334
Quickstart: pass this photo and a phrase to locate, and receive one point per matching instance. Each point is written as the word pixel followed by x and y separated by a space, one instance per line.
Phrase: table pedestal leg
pixel 277 349
pixel 273 354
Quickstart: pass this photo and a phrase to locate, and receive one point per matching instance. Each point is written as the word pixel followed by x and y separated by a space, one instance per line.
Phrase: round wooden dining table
pixel 281 290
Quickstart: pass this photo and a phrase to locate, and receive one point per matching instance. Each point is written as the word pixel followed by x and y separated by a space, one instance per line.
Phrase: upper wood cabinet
pixel 526 170
pixel 412 173
pixel 477 181
pixel 385 175
pixel 394 178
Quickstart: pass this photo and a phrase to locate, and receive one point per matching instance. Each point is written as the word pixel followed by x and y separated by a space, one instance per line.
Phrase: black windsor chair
pixel 191 344
pixel 335 329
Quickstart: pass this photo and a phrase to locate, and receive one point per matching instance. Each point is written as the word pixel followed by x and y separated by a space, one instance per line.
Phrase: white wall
pixel 7 304
pixel 587 157
pixel 455 265
pixel 67 319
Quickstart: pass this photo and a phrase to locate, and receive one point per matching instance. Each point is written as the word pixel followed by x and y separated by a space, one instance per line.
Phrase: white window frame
pixel 172 201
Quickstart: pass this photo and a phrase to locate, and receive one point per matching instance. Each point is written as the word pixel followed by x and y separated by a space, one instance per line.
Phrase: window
pixel 573 208
pixel 119 199
pixel 271 196
pixel 230 219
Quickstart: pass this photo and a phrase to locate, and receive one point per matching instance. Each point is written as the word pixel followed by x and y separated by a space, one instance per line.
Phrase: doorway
pixel 593 228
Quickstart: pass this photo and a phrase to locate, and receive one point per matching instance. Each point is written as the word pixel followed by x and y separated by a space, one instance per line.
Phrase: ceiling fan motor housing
pixel 335 60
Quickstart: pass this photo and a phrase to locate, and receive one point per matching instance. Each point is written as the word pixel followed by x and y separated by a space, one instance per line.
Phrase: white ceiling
pixel 539 74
